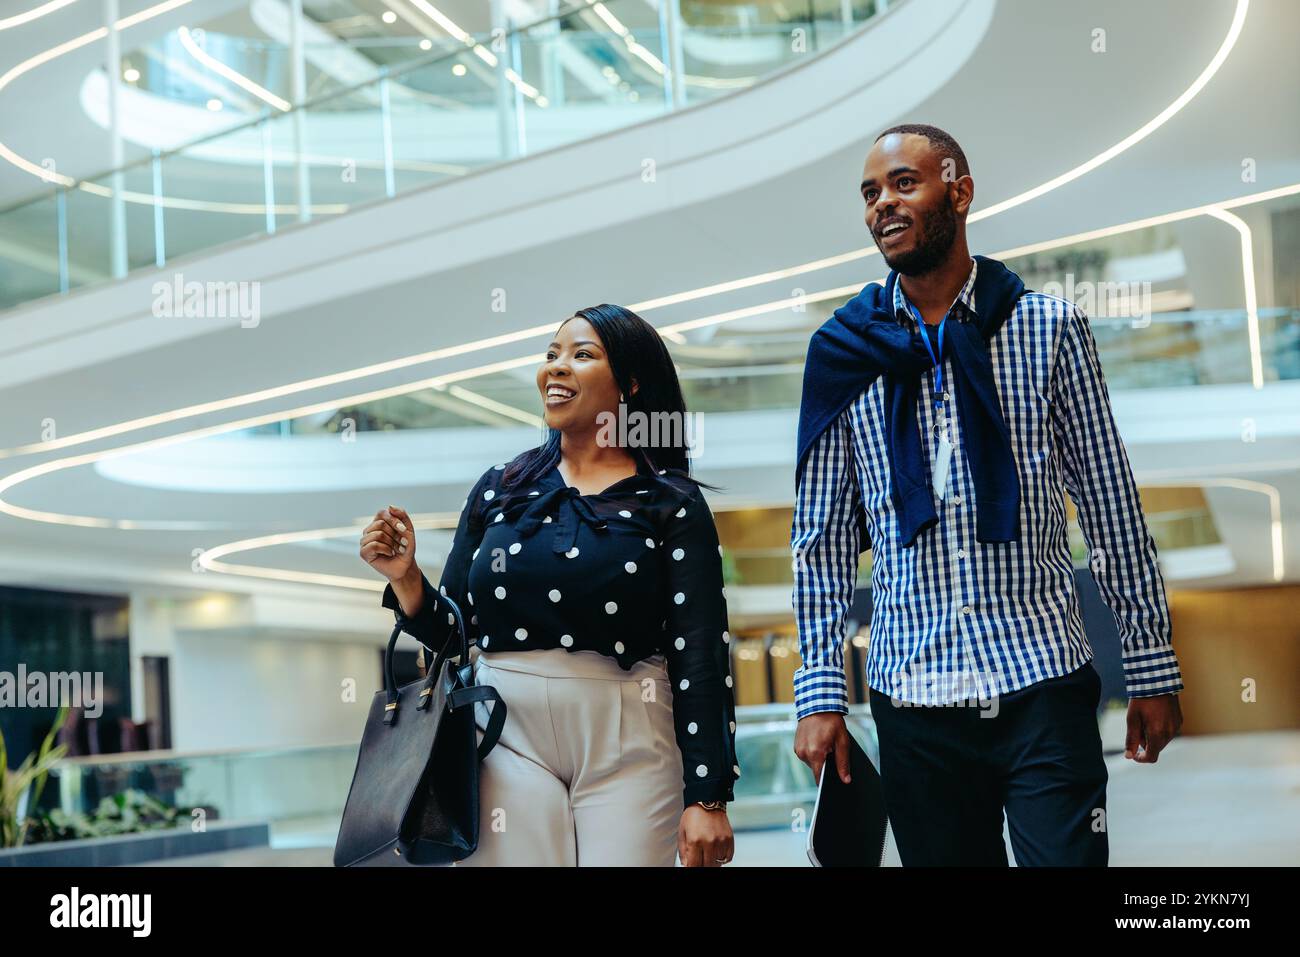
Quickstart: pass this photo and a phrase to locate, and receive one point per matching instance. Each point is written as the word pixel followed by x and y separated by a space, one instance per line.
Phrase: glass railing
pixel 300 791
pixel 1171 530
pixel 592 67
pixel 1198 347
pixel 1187 348
pixel 1151 339
pixel 169 69
pixel 724 45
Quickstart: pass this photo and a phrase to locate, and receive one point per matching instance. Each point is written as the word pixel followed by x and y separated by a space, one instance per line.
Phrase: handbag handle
pixel 458 698
pixel 496 717
pixel 390 682
pixel 457 636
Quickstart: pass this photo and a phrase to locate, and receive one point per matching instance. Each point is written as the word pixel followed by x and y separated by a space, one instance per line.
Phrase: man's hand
pixel 822 736
pixel 1152 723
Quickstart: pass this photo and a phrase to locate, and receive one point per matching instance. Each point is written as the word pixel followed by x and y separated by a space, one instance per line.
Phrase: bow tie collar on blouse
pixel 565 504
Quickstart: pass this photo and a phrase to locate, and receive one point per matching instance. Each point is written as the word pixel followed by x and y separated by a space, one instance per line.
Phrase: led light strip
pixel 1246 485
pixel 670 331
pixel 303 385
pixel 89 458
pixel 286 575
pixel 24 475
pixel 130 196
pixel 652 61
pixel 1248 281
pixel 207 559
pixel 482 52
pixel 31 63
pixel 229 73
pixel 1138 135
pixel 86 521
pixel 444 381
pixel 501 408
pixel 1229 41
pixel 187 40
pixel 35 13
pixel 624 34
pixel 758 279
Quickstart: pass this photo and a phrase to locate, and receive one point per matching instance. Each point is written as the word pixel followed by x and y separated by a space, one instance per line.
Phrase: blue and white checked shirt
pixel 953 618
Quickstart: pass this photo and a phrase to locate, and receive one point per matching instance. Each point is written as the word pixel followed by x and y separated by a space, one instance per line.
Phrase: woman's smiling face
pixel 576 381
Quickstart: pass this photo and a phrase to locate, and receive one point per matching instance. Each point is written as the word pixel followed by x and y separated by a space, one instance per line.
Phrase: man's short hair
pixel 942 142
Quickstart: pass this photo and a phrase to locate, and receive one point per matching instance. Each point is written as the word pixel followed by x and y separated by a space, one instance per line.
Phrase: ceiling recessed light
pixel 389 16
pixel 459 69
pixel 130 74
pixel 426 44
pixel 215 105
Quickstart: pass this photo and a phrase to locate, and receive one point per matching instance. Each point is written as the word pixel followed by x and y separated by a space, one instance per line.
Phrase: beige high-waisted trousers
pixel 587 771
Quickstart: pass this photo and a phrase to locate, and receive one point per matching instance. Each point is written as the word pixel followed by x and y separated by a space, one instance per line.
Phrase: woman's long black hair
pixel 635 351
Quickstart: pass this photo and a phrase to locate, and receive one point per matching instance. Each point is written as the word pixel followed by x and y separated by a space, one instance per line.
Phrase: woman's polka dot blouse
pixel 631 572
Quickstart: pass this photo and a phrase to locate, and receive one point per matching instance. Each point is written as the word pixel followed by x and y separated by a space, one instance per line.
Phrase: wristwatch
pixel 713 805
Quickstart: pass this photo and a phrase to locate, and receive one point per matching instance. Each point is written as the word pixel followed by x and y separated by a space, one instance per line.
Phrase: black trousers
pixel 948 773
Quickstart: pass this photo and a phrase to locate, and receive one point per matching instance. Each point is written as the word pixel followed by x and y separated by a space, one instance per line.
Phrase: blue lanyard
pixel 938 365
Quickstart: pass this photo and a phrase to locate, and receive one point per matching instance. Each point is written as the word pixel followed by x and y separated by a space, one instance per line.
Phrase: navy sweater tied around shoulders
pixel 863 340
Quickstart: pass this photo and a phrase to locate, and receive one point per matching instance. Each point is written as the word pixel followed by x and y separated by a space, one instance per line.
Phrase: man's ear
pixel 964 190
pixel 635 386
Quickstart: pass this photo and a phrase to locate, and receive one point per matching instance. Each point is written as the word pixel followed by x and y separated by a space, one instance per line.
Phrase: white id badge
pixel 942 460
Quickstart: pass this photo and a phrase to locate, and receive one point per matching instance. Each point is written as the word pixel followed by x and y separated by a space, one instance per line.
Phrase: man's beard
pixel 935 243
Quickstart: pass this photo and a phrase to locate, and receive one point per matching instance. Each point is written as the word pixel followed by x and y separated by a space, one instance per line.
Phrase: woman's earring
pixel 620 397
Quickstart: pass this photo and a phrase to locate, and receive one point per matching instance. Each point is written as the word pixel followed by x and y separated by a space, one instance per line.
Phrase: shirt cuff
pixel 820 688
pixel 421 626
pixel 718 789
pixel 1152 672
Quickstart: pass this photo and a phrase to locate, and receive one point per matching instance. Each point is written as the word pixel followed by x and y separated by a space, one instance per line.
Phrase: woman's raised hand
pixel 388 543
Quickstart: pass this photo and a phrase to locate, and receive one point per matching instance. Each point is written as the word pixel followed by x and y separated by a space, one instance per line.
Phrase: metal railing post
pixel 670 25
pixel 61 215
pixel 517 64
pixel 506 132
pixel 298 93
pixel 117 205
pixel 159 238
pixel 386 124
pixel 268 177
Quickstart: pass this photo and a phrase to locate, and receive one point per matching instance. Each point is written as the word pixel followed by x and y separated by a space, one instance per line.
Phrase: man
pixel 943 417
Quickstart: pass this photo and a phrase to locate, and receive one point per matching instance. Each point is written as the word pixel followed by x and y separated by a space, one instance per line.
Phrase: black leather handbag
pixel 415 792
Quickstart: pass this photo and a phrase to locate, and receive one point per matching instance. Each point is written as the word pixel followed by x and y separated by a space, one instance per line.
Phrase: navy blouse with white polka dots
pixel 631 572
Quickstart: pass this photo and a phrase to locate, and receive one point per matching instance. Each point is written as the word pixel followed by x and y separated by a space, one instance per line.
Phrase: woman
pixel 592 577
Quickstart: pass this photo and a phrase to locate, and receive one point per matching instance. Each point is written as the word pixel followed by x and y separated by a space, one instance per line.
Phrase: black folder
pixel 849 820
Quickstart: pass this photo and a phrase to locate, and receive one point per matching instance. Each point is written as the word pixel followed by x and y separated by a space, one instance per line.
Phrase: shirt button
pixel 961 553
pixel 956 500
pixel 965 609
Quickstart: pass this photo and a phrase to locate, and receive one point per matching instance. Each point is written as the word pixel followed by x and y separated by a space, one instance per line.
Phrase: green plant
pixel 28 777
pixel 130 812
pixel 730 573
